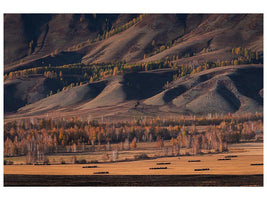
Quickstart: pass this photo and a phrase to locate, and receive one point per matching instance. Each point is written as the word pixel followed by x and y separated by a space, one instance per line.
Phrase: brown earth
pixel 232 89
pixel 217 32
pixel 50 32
pixel 226 90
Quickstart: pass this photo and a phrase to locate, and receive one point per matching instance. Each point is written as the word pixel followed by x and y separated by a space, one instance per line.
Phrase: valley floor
pixel 247 154
pixel 178 171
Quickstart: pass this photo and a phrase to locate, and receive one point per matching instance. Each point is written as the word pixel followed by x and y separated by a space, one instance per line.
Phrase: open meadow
pixel 247 154
pixel 241 166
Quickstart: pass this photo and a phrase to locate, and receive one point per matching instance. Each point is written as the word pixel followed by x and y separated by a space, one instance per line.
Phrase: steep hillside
pixel 154 37
pixel 132 64
pixel 223 90
pixel 66 99
pixel 217 34
pixel 107 93
pixel 231 89
pixel 29 37
pixel 19 92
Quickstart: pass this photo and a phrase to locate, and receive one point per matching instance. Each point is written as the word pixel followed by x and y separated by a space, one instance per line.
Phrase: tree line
pixel 38 138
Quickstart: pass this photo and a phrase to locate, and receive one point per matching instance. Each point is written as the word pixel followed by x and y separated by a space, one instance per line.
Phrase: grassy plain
pixel 247 154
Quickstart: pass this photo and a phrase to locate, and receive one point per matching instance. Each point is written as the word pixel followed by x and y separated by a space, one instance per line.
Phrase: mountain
pixel 52 42
pixel 231 89
pixel 68 36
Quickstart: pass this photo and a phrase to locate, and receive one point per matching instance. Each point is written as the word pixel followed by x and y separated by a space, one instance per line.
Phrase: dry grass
pixel 179 166
pixel 148 148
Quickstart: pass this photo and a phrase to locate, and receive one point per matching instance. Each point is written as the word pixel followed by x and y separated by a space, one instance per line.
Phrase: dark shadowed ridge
pixel 249 82
pixel 147 84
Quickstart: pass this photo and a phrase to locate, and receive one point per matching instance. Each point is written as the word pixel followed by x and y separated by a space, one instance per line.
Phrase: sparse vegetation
pixel 108 33
pixel 142 156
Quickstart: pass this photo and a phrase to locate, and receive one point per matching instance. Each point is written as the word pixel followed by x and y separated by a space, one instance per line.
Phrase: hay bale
pixel 193 160
pixel 224 159
pixel 90 166
pixel 231 156
pixel 255 164
pixel 101 172
pixel 163 163
pixel 158 168
pixel 203 169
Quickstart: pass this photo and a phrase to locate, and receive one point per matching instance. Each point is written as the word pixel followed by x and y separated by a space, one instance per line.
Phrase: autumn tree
pixel 133 144
pixel 160 143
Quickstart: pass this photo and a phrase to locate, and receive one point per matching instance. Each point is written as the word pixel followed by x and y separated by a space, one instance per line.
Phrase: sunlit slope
pixel 222 90
pixel 232 89
pixel 66 99
pixel 154 37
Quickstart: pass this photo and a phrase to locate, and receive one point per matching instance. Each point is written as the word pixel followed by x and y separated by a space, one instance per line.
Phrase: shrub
pixel 83 161
pixel 94 161
pixel 142 156
pixel 46 161
pixel 73 159
pixel 133 144
pixel 8 162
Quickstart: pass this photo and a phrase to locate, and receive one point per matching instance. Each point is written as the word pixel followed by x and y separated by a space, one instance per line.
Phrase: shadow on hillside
pixel 145 85
pixel 249 82
pixel 173 93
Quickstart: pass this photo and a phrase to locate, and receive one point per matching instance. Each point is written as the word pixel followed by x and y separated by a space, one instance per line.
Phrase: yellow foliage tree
pixel 133 144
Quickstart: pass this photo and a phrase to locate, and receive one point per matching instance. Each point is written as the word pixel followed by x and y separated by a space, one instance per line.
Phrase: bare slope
pixel 28 89
pixel 19 92
pixel 50 32
pixel 223 90
pixel 231 89
pixel 65 99
pixel 105 94
pixel 218 33
pixel 132 44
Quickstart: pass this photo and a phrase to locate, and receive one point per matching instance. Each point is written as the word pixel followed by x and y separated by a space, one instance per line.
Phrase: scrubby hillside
pixel 222 90
pixel 231 89
pixel 107 93
pixel 66 99
pixel 19 92
pixel 65 39
pixel 30 37
pixel 132 64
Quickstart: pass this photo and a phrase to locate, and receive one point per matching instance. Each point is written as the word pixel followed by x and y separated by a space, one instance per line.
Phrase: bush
pixel 83 161
pixel 8 162
pixel 46 161
pixel 93 161
pixel 142 156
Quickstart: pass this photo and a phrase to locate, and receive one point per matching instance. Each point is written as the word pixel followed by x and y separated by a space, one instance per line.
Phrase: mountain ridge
pixel 132 64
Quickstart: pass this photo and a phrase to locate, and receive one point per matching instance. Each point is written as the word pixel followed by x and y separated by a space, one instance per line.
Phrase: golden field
pixel 247 154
